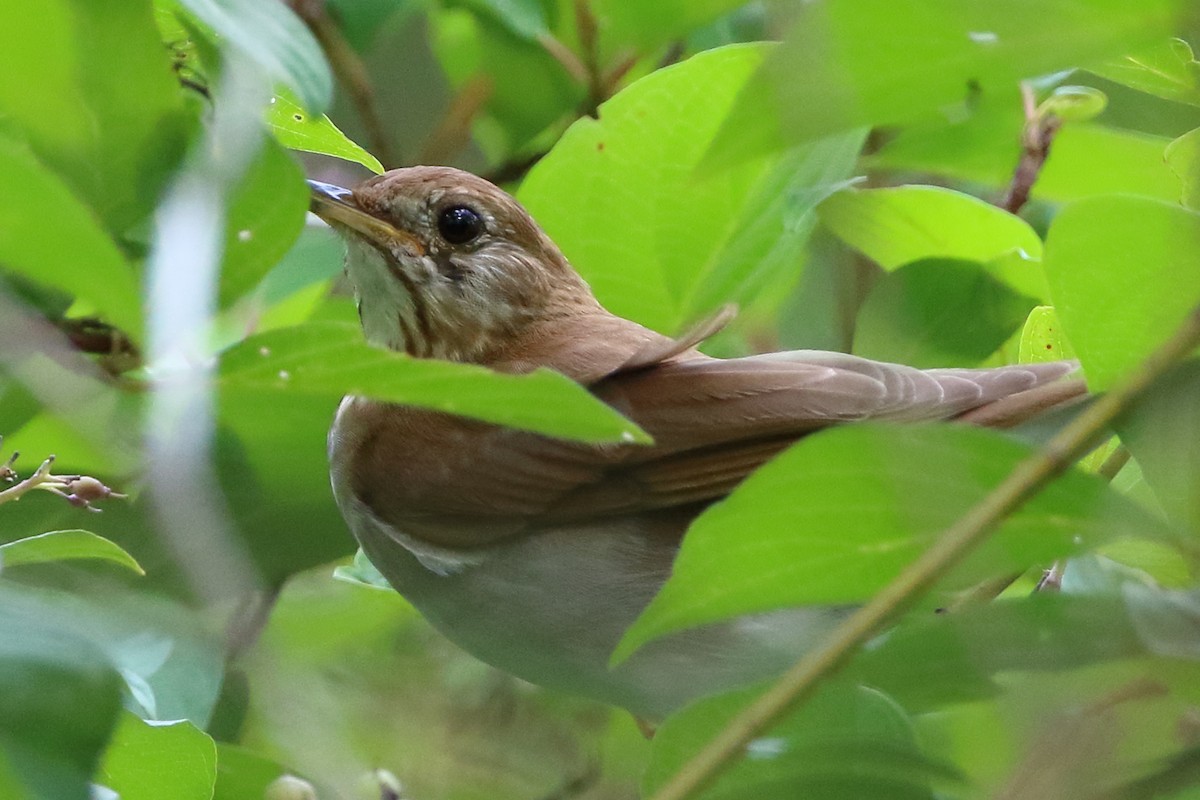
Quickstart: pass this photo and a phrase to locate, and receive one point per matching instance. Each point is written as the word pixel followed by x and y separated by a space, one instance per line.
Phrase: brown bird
pixel 533 553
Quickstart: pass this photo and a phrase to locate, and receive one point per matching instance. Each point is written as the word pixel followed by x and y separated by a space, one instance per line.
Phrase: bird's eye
pixel 459 224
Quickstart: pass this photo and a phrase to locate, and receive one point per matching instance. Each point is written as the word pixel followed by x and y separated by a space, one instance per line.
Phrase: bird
pixel 534 553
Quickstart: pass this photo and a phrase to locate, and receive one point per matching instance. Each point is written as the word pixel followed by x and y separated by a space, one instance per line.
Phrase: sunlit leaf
pixel 1123 272
pixel 333 360
pixel 659 240
pixel 1167 69
pixel 850 64
pixel 295 128
pixel 1042 338
pixel 65 545
pixel 899 225
pixel 148 761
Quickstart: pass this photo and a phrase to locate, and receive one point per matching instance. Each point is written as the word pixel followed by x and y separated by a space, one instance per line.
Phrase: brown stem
pixel 1036 139
pixel 1026 480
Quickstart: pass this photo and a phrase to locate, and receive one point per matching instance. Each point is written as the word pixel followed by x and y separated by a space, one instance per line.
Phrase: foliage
pixel 834 167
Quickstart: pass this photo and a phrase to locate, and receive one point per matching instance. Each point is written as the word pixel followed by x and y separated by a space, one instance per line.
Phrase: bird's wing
pixel 458 483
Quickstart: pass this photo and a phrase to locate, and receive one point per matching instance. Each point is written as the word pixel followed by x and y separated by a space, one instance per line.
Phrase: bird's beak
pixel 336 206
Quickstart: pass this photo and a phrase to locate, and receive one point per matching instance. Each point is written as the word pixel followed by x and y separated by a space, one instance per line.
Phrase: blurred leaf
pixel 48 235
pixel 171 667
pixel 59 699
pixel 243 774
pixel 846 65
pixel 64 545
pixel 1183 158
pixel 293 127
pixel 525 18
pixel 519 89
pixel 332 360
pixel 362 572
pixel 899 225
pixel 841 513
pixel 149 761
pixel 1163 433
pixel 108 116
pixel 1167 70
pixel 688 241
pixel 266 214
pixel 938 313
pixel 1086 159
pixel 847 742
pixel 651 25
pixel 1042 338
pixel 276 39
pixel 1122 278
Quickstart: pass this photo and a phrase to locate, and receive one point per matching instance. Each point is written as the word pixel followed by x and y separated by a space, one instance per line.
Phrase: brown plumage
pixel 536 553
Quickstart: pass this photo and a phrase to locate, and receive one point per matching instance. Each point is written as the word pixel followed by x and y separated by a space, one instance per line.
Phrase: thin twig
pixel 1027 479
pixel 350 72
pixel 1036 138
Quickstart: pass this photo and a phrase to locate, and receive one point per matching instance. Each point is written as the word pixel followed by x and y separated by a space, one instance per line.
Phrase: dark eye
pixel 459 224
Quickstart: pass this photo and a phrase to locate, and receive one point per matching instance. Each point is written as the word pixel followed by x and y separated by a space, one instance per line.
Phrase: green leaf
pixel 243 774
pixel 149 761
pixel 1042 338
pixel 1167 70
pixel 846 65
pixel 1122 279
pixel 930 661
pixel 651 25
pixel 984 147
pixel 899 225
pixel 1163 433
pixel 276 39
pixel 522 92
pixel 108 115
pixel 658 240
pixel 295 128
pixel 1183 158
pixel 62 546
pixel 330 360
pixel 938 313
pixel 525 18
pixel 836 517
pixel 47 235
pixel 172 668
pixel 266 214
pixel 847 742
pixel 59 700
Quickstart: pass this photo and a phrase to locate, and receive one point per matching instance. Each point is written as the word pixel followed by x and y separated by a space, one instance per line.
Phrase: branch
pixel 1036 138
pixel 1027 479
pixel 78 490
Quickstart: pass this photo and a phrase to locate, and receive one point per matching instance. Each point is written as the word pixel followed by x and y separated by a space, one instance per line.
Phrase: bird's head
pixel 445 264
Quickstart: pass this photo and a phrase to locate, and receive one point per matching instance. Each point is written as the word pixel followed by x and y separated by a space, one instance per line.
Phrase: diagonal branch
pixel 1026 480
